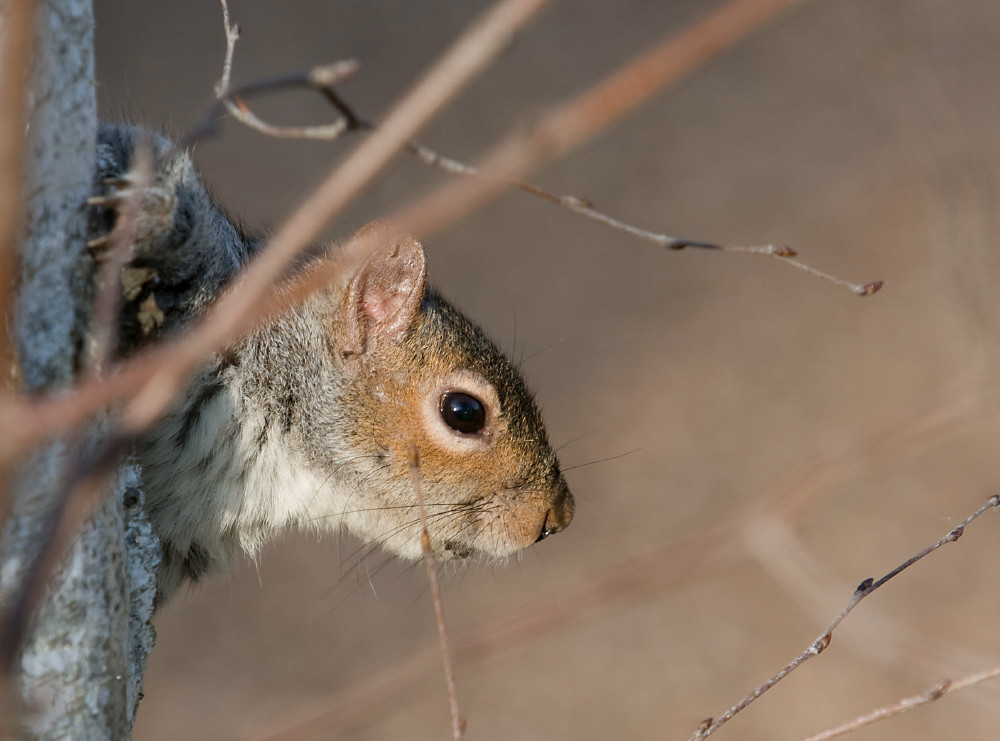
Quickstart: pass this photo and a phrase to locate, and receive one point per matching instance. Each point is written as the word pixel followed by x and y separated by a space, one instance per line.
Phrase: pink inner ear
pixel 385 305
pixel 384 296
pixel 380 308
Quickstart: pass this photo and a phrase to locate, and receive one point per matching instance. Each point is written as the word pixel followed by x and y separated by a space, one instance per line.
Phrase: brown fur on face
pixel 491 493
pixel 309 421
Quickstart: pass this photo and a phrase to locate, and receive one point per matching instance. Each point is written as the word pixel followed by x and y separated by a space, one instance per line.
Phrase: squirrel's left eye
pixel 463 413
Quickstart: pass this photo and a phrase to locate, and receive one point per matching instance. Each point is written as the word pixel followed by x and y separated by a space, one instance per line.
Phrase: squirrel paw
pixel 146 211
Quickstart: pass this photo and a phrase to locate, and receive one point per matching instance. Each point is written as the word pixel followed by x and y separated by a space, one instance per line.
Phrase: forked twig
pixel 151 380
pixel 457 721
pixel 231 99
pixel 936 692
pixel 709 726
pixel 662 63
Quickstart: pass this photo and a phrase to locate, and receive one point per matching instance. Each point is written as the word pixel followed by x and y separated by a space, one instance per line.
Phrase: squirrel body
pixel 309 421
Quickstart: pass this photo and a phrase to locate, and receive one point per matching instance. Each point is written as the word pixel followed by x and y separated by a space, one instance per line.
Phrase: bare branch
pixel 570 124
pixel 772 541
pixel 682 561
pixel 151 380
pixel 823 640
pixel 470 54
pixel 323 78
pixel 457 721
pixel 585 208
pixel 232 36
pixel 230 99
pixel 936 692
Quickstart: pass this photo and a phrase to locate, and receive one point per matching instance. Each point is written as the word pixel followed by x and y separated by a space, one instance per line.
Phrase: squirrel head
pixel 418 374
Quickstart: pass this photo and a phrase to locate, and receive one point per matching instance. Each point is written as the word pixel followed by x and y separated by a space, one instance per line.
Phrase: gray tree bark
pixel 80 668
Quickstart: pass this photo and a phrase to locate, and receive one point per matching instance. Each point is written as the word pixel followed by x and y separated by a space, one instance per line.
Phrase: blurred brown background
pixel 834 436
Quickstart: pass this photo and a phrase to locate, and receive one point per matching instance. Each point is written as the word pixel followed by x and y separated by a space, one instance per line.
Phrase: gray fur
pixel 305 423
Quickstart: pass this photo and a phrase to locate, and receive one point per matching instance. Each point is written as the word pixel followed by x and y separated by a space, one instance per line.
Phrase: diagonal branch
pixel 585 208
pixel 819 645
pixel 152 379
pixel 574 122
pixel 457 721
pixel 689 558
pixel 231 99
pixel 939 690
pixel 667 62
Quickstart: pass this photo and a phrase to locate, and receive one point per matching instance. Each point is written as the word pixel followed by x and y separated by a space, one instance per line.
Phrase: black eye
pixel 462 412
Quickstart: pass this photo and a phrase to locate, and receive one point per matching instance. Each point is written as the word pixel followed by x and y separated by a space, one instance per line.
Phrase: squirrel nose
pixel 558 515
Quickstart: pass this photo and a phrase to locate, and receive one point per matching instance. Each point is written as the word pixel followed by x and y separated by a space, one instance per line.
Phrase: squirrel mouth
pixel 457 550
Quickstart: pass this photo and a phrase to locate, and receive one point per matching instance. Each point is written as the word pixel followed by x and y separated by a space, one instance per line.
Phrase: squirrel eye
pixel 463 413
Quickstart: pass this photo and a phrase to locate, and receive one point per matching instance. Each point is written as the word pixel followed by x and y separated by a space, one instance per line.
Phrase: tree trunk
pixel 79 669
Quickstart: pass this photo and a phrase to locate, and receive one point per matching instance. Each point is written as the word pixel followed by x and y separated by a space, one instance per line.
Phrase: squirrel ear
pixel 385 294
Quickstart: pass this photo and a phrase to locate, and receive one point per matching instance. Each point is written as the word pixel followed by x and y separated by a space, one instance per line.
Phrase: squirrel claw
pixel 108 200
pixel 98 243
pixel 120 187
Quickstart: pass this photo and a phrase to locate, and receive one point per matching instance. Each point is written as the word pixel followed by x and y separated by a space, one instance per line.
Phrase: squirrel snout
pixel 558 515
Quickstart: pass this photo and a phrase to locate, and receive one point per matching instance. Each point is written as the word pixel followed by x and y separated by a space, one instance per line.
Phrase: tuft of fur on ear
pixel 384 295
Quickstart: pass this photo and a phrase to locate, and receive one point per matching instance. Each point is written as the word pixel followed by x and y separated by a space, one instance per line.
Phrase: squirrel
pixel 308 421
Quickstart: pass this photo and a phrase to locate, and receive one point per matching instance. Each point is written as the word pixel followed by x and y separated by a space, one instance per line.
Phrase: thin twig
pixel 152 379
pixel 231 99
pixel 232 36
pixel 571 123
pixel 156 376
pixel 351 120
pixel 585 208
pixel 866 587
pixel 457 721
pixel 773 543
pixel 935 692
pixel 681 561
